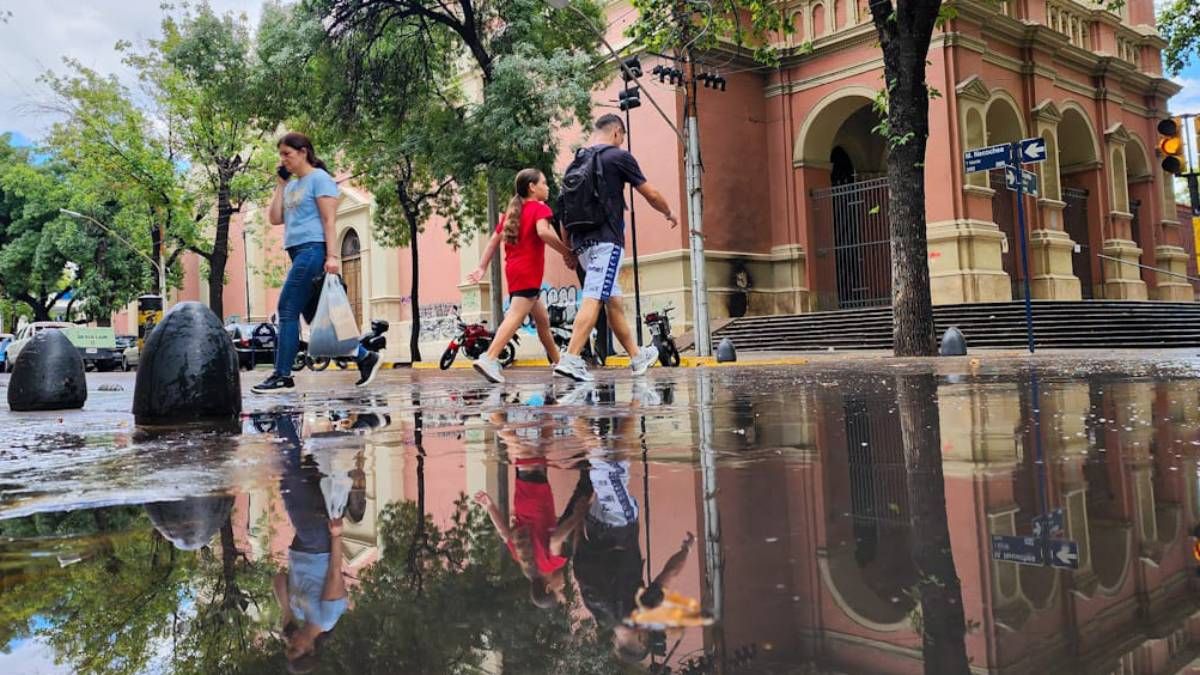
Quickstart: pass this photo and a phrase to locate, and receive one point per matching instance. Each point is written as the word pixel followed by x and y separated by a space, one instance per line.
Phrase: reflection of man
pixel 311 592
pixel 607 556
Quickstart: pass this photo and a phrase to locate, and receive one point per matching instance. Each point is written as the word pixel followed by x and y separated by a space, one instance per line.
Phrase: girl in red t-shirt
pixel 526 230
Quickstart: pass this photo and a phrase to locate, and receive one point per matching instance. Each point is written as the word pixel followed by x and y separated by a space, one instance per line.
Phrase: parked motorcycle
pixel 659 324
pixel 561 330
pixel 374 341
pixel 474 340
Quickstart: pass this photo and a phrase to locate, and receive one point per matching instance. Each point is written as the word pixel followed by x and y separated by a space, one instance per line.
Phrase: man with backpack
pixel 591 211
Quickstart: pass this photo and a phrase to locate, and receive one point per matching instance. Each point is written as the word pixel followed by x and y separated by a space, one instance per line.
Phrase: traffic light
pixel 629 99
pixel 1170 143
pixel 632 69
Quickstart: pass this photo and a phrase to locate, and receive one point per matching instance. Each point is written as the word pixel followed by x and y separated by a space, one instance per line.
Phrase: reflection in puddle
pixel 728 521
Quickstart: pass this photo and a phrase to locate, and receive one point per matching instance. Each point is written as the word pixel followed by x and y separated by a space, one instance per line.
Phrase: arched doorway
pixel 851 227
pixel 1079 169
pixel 352 272
pixel 1004 126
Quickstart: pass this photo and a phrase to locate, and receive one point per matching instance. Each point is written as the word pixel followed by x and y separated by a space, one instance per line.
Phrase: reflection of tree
pixel 942 624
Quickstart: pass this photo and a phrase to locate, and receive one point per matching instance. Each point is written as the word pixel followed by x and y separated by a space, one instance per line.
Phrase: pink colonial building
pixel 795 201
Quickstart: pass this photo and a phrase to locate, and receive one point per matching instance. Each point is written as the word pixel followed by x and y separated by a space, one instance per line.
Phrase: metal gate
pixel 856 213
pixel 1004 214
pixel 1075 223
pixel 878 473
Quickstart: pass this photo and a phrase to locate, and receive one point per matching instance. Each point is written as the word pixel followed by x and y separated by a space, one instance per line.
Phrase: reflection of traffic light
pixel 1170 143
pixel 1196 548
pixel 629 99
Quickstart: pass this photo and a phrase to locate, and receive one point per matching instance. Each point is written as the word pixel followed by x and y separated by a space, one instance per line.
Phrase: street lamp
pixel 157 264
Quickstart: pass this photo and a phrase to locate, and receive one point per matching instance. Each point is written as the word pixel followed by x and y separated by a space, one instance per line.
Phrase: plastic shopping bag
pixel 333 332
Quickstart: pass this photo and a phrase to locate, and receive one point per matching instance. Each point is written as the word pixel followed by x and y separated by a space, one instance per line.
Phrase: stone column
pixel 1051 251
pixel 1122 276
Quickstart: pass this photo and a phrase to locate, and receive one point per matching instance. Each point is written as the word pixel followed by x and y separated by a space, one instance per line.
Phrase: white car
pixel 26 334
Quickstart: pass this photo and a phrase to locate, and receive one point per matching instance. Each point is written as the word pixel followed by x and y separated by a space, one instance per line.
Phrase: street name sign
pixel 986 159
pixel 1049 525
pixel 1029 178
pixel 1020 550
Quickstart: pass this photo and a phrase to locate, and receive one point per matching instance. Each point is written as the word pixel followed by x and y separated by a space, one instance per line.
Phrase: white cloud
pixel 1188 100
pixel 41 32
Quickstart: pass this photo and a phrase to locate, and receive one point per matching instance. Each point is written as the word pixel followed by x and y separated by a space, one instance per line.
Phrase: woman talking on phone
pixel 305 203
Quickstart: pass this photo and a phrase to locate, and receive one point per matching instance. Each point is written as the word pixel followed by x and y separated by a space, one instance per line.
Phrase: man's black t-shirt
pixel 620 169
pixel 608 568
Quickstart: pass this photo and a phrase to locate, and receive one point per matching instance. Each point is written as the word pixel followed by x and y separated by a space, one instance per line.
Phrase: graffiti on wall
pixel 438 320
pixel 567 296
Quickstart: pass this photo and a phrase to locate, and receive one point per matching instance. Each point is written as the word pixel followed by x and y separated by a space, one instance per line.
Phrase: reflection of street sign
pixel 1020 550
pixel 1032 150
pixel 1049 525
pixel 1063 554
pixel 986 159
pixel 1031 185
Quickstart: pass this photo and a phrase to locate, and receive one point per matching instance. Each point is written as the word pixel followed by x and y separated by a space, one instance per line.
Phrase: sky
pixel 41 32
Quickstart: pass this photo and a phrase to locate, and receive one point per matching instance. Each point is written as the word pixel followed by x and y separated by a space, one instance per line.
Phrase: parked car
pixel 5 340
pixel 253 342
pixel 130 354
pixel 97 346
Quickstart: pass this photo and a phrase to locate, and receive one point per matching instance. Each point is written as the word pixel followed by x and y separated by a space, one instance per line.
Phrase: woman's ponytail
pixel 526 179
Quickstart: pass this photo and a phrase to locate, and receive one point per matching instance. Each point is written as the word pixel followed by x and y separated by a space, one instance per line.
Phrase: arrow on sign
pixel 1033 150
pixel 1065 554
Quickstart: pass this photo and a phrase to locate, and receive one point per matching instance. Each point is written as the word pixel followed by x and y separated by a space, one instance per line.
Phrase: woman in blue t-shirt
pixel 307 208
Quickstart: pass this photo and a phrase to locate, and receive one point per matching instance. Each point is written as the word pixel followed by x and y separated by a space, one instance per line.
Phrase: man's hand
pixel 571 261
pixel 332 265
pixel 672 220
pixel 475 276
pixel 483 499
pixel 335 527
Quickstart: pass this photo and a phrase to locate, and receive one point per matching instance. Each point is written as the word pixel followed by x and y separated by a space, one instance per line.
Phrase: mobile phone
pixel 283 173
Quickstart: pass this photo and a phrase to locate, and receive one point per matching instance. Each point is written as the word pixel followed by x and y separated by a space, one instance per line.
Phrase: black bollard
pixel 953 343
pixel 188 370
pixel 48 375
pixel 725 351
pixel 190 523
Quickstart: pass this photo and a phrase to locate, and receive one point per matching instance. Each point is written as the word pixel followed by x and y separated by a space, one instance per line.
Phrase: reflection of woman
pixel 312 591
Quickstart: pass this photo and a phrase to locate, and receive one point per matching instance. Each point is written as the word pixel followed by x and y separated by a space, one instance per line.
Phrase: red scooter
pixel 474 340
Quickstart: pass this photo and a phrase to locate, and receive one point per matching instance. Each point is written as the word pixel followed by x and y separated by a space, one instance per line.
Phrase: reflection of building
pixel 802 209
pixel 806 526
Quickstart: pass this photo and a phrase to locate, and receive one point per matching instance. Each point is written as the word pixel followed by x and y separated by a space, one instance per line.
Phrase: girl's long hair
pixel 301 143
pixel 526 179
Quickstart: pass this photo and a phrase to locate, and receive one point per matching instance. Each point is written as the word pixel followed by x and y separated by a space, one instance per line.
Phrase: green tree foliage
pixel 222 93
pixel 1179 24
pixel 44 254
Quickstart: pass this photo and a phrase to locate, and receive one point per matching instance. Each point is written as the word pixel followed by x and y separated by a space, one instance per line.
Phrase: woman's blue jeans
pixel 308 265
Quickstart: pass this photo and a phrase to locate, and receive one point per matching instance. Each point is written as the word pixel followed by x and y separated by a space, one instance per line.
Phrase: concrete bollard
pixel 953 343
pixel 190 523
pixel 725 351
pixel 188 370
pixel 48 375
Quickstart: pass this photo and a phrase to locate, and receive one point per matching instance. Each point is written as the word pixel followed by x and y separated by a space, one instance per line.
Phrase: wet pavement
pixel 861 517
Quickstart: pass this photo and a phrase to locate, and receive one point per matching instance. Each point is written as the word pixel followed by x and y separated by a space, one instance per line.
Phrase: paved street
pixel 816 495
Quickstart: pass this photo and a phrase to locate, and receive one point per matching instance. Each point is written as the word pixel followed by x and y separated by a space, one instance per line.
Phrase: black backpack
pixel 583 202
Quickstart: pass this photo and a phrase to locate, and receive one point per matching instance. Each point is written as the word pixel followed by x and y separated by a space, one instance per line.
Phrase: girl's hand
pixel 332 265
pixel 483 499
pixel 571 261
pixel 475 276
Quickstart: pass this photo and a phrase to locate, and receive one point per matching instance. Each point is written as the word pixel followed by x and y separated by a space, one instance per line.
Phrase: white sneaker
pixel 489 368
pixel 573 367
pixel 646 394
pixel 645 358
pixel 579 395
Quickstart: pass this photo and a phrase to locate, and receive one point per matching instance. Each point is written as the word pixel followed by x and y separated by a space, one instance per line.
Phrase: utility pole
pixel 693 169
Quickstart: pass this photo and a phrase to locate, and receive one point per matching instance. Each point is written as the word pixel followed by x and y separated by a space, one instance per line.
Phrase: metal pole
pixel 700 326
pixel 637 278
pixel 1015 159
pixel 246 264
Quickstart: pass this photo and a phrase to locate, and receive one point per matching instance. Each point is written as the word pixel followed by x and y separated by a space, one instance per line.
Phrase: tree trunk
pixel 905 34
pixel 414 341
pixel 943 623
pixel 156 237
pixel 220 251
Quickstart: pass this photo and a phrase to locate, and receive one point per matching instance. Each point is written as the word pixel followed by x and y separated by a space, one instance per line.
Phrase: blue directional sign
pixel 1063 553
pixel 986 159
pixel 1050 525
pixel 1027 177
pixel 1032 150
pixel 1020 550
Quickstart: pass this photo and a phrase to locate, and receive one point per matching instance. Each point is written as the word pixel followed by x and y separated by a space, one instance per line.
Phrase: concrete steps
pixel 1062 325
